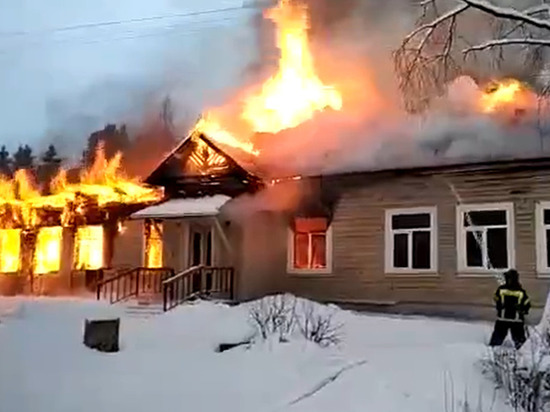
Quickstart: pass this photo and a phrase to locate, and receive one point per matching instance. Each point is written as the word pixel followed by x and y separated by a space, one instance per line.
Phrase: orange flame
pixel 10 250
pixel 287 99
pixel 211 128
pixel 295 93
pixel 47 256
pixel 153 244
pixel 89 247
pixel 500 94
pixel 103 181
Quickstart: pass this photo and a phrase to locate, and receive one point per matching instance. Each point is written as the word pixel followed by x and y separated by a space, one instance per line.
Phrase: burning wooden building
pixel 49 242
pixel 397 239
pixel 186 229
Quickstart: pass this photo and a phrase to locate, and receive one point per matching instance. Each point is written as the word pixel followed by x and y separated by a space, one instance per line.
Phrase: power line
pixel 128 21
pixel 170 30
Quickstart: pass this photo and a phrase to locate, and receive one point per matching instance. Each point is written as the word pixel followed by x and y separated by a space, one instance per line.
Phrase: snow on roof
pixel 185 207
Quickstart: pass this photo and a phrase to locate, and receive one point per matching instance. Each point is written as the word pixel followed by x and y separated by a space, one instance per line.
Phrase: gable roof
pixel 197 156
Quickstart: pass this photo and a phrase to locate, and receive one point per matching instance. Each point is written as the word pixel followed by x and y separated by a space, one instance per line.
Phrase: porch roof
pixel 184 207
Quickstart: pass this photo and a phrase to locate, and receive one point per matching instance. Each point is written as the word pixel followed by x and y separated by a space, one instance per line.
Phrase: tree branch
pixel 430 27
pixel 508 13
pixel 506 42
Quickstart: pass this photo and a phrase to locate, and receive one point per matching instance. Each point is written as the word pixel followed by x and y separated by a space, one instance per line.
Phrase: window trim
pixel 543 270
pixel 290 269
pixel 508 207
pixel 388 243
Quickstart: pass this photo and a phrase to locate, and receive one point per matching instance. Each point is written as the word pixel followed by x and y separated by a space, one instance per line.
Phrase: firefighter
pixel 512 304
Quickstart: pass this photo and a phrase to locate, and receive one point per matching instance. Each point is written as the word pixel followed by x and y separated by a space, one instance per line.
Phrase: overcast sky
pixel 70 82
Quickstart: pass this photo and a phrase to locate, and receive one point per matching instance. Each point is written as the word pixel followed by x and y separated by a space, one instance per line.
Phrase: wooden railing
pixel 195 281
pixel 133 282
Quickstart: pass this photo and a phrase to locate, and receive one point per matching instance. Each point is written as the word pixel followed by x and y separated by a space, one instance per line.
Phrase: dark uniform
pixel 512 304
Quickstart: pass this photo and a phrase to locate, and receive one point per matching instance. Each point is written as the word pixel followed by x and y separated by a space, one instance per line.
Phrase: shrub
pixel 523 375
pixel 282 317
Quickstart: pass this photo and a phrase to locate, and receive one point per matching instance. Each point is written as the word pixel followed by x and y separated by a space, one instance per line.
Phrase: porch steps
pixel 135 310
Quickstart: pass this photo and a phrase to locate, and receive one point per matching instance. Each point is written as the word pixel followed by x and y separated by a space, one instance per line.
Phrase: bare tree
pixel 459 37
pixel 453 38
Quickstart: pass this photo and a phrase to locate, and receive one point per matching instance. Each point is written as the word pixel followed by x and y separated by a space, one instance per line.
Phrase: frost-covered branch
pixel 435 52
pixel 509 13
pixel 506 42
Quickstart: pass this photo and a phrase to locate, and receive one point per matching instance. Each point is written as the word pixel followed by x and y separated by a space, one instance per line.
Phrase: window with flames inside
pixel 153 244
pixel 47 254
pixel 10 250
pixel 89 247
pixel 309 244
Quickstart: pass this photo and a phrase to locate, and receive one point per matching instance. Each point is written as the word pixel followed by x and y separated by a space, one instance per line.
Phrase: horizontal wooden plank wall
pixel 358 235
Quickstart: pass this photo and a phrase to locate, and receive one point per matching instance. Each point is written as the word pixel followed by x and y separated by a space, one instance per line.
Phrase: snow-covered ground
pixel 168 363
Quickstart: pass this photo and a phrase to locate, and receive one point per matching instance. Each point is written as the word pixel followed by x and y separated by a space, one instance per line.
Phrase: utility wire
pixel 160 31
pixel 17 34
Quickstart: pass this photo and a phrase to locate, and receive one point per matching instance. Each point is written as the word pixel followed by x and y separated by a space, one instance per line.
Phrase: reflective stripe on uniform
pixel 515 293
pixel 509 320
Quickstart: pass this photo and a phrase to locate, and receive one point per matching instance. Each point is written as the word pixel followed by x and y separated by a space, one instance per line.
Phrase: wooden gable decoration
pixel 198 167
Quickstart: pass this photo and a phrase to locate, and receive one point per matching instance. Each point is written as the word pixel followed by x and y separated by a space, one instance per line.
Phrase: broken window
pixel 89 247
pixel 484 233
pixel 10 250
pixel 410 240
pixel 47 253
pixel 309 244
pixel 153 244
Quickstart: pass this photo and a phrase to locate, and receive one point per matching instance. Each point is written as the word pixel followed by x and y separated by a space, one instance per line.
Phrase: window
pixel 411 240
pixel 153 244
pixel 310 246
pixel 542 220
pixel 485 237
pixel 47 253
pixel 89 247
pixel 10 250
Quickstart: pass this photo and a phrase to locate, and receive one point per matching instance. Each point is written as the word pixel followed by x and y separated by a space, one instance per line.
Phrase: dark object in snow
pixel 102 335
pixel 222 347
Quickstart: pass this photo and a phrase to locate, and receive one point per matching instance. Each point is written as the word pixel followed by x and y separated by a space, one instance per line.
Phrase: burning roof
pixel 99 189
pixel 298 123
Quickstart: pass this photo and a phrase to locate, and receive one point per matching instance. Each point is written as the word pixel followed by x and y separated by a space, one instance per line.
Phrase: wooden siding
pixel 128 245
pixel 359 237
pixel 262 261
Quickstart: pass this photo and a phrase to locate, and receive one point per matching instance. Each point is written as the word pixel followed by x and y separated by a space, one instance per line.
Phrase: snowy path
pixel 168 363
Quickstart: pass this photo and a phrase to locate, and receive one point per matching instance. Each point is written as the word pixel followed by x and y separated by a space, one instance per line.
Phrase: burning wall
pixel 42 227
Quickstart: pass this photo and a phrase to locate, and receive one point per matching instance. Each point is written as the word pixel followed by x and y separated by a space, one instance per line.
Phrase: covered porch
pixel 185 243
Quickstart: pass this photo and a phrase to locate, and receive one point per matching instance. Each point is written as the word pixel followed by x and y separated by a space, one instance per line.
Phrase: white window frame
pixel 389 240
pixel 508 207
pixel 543 268
pixel 290 255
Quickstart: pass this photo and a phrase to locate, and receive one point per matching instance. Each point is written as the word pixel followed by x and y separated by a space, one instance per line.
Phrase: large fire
pixel 500 94
pixel 24 209
pixel 295 93
pixel 290 97
pixel 103 182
